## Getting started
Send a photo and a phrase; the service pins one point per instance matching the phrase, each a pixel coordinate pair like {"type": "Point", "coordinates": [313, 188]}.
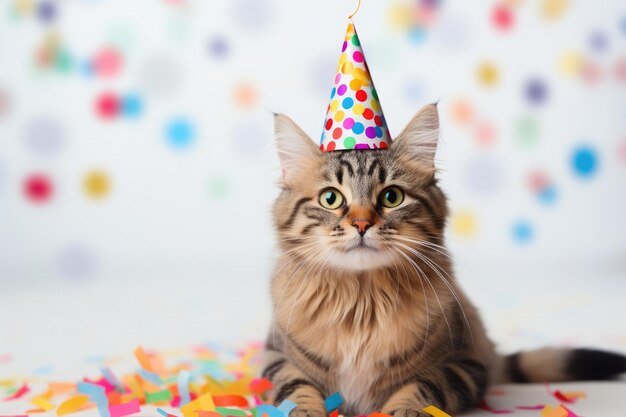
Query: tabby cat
{"type": "Point", "coordinates": [365, 302]}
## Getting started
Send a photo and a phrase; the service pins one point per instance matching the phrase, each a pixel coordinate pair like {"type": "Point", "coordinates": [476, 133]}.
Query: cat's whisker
{"type": "Point", "coordinates": [436, 268]}
{"type": "Point", "coordinates": [312, 267]}
{"type": "Point", "coordinates": [282, 295]}
{"type": "Point", "coordinates": [437, 248]}
{"type": "Point", "coordinates": [425, 301]}
{"type": "Point", "coordinates": [417, 268]}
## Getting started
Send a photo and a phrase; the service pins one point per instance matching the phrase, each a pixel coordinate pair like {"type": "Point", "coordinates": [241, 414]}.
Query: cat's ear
{"type": "Point", "coordinates": [295, 148]}
{"type": "Point", "coordinates": [418, 141]}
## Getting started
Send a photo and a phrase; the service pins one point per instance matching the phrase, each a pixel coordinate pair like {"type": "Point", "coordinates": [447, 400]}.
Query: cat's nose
{"type": "Point", "coordinates": [361, 225]}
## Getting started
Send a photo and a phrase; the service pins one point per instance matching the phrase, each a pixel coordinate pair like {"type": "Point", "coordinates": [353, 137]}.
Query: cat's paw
{"type": "Point", "coordinates": [409, 412]}
{"type": "Point", "coordinates": [307, 412]}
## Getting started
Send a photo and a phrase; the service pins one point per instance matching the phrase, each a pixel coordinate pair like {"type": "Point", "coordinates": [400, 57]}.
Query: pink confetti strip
{"type": "Point", "coordinates": [559, 395]}
{"type": "Point", "coordinates": [23, 390]}
{"type": "Point", "coordinates": [121, 410]}
{"type": "Point", "coordinates": [530, 407]}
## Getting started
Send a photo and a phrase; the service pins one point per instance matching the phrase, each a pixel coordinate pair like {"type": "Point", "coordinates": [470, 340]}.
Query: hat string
{"type": "Point", "coordinates": [356, 11]}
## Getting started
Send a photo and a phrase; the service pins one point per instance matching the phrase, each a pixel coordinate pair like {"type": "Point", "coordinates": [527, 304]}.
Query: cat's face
{"type": "Point", "coordinates": [359, 209]}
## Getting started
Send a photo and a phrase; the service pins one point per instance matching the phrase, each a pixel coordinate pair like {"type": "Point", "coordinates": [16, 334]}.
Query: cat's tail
{"type": "Point", "coordinates": [561, 364]}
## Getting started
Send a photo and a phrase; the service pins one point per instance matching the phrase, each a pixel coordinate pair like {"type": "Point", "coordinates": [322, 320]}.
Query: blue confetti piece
{"type": "Point", "coordinates": [162, 412]}
{"type": "Point", "coordinates": [270, 410]}
{"type": "Point", "coordinates": [96, 394]}
{"type": "Point", "coordinates": [333, 402]}
{"type": "Point", "coordinates": [183, 386]}
{"type": "Point", "coordinates": [150, 376]}
{"type": "Point", "coordinates": [286, 407]}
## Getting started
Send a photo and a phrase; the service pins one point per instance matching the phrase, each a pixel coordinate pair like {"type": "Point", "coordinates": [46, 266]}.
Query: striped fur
{"type": "Point", "coordinates": [377, 317]}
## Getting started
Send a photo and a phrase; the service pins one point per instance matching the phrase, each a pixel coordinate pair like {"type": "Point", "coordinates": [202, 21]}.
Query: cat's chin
{"type": "Point", "coordinates": [359, 259]}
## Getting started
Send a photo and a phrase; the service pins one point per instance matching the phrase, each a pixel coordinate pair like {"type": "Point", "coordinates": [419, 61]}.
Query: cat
{"type": "Point", "coordinates": [363, 293]}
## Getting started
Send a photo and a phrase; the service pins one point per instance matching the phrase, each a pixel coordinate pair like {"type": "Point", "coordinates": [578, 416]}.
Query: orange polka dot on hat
{"type": "Point", "coordinates": [354, 119]}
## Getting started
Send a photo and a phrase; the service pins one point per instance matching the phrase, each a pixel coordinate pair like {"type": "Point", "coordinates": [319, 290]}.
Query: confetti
{"type": "Point", "coordinates": [183, 386]}
{"type": "Point", "coordinates": [333, 402]}
{"type": "Point", "coordinates": [72, 404]}
{"type": "Point", "coordinates": [435, 412]}
{"type": "Point", "coordinates": [202, 403]}
{"type": "Point", "coordinates": [121, 410]}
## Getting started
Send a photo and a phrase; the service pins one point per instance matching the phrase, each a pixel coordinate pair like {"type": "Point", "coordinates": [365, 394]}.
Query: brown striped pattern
{"type": "Point", "coordinates": [387, 326]}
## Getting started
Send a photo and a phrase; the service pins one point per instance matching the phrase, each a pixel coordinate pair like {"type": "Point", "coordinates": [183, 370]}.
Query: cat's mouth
{"type": "Point", "coordinates": [361, 244]}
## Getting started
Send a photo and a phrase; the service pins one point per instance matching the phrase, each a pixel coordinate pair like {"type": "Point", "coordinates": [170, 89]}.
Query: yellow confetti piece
{"type": "Point", "coordinates": [202, 403]}
{"type": "Point", "coordinates": [435, 412]}
{"type": "Point", "coordinates": [42, 403]}
{"type": "Point", "coordinates": [549, 411]}
{"type": "Point", "coordinates": [72, 405]}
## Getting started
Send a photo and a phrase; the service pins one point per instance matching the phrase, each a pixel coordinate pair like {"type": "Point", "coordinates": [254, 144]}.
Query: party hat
{"type": "Point", "coordinates": [354, 119]}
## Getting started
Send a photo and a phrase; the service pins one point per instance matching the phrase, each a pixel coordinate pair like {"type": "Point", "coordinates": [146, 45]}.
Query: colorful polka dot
{"type": "Point", "coordinates": [107, 105]}
{"type": "Point", "coordinates": [523, 232]}
{"type": "Point", "coordinates": [361, 95]}
{"type": "Point", "coordinates": [502, 17]}
{"type": "Point", "coordinates": [96, 184]}
{"type": "Point", "coordinates": [356, 85]}
{"type": "Point", "coordinates": [536, 91]}
{"type": "Point", "coordinates": [358, 128]}
{"type": "Point", "coordinates": [354, 117]}
{"type": "Point", "coordinates": [584, 162]}
{"type": "Point", "coordinates": [180, 133]}
{"type": "Point", "coordinates": [38, 188]}
{"type": "Point", "coordinates": [132, 106]}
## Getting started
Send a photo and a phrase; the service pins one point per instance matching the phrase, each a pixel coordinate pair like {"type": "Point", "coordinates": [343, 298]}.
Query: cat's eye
{"type": "Point", "coordinates": [391, 197]}
{"type": "Point", "coordinates": [331, 198]}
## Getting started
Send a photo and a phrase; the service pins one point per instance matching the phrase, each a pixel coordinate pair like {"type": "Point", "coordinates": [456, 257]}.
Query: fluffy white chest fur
{"type": "Point", "coordinates": [357, 373]}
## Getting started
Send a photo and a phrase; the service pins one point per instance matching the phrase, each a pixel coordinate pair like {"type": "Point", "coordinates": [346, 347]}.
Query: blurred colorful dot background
{"type": "Point", "coordinates": [137, 170]}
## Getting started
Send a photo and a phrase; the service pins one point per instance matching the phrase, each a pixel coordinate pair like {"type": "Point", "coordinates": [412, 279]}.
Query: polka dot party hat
{"type": "Point", "coordinates": [354, 119]}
